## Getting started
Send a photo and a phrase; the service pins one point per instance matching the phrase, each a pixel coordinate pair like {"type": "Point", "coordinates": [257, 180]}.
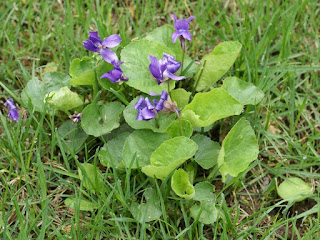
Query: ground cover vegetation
{"type": "Point", "coordinates": [159, 120]}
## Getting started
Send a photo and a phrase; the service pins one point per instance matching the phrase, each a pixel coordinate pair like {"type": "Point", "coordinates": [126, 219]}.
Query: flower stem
{"type": "Point", "coordinates": [197, 82]}
{"type": "Point", "coordinates": [169, 88]}
{"type": "Point", "coordinates": [183, 46]}
{"type": "Point", "coordinates": [181, 129]}
{"type": "Point", "coordinates": [156, 118]}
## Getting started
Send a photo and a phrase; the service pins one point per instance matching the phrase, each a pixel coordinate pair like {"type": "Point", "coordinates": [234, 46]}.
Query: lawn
{"type": "Point", "coordinates": [44, 182]}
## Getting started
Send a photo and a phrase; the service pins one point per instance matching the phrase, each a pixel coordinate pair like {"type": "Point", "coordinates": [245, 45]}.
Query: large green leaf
{"type": "Point", "coordinates": [86, 71]}
{"type": "Point", "coordinates": [239, 149]}
{"type": "Point", "coordinates": [130, 115]}
{"type": "Point", "coordinates": [73, 135]}
{"type": "Point", "coordinates": [64, 99]}
{"type": "Point", "coordinates": [139, 146]}
{"type": "Point", "coordinates": [149, 211]}
{"type": "Point", "coordinates": [35, 91]}
{"type": "Point", "coordinates": [294, 189]}
{"type": "Point", "coordinates": [217, 64]}
{"type": "Point", "coordinates": [208, 151]}
{"type": "Point", "coordinates": [204, 192]}
{"type": "Point", "coordinates": [206, 212]}
{"type": "Point", "coordinates": [99, 120]}
{"type": "Point", "coordinates": [180, 96]}
{"type": "Point", "coordinates": [163, 35]}
{"type": "Point", "coordinates": [111, 153]}
{"type": "Point", "coordinates": [170, 155]}
{"type": "Point", "coordinates": [244, 92]}
{"type": "Point", "coordinates": [206, 108]}
{"type": "Point", "coordinates": [56, 80]}
{"type": "Point", "coordinates": [136, 65]}
{"type": "Point", "coordinates": [180, 184]}
{"type": "Point", "coordinates": [84, 205]}
{"type": "Point", "coordinates": [92, 178]}
{"type": "Point", "coordinates": [174, 130]}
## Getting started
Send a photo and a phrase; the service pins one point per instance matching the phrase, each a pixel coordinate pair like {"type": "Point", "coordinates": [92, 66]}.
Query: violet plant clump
{"type": "Point", "coordinates": [173, 115]}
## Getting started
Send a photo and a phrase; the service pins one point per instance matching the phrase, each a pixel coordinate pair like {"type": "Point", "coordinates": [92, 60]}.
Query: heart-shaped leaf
{"type": "Point", "coordinates": [203, 191]}
{"type": "Point", "coordinates": [239, 149]}
{"type": "Point", "coordinates": [84, 205]}
{"type": "Point", "coordinates": [244, 92]}
{"type": "Point", "coordinates": [139, 146]}
{"type": "Point", "coordinates": [64, 99]}
{"type": "Point", "coordinates": [91, 178]}
{"type": "Point", "coordinates": [170, 155]}
{"type": "Point", "coordinates": [294, 189]}
{"type": "Point", "coordinates": [217, 63]}
{"type": "Point", "coordinates": [180, 184]}
{"type": "Point", "coordinates": [206, 108]}
{"type": "Point", "coordinates": [205, 213]}
{"type": "Point", "coordinates": [174, 130]}
{"type": "Point", "coordinates": [99, 120]}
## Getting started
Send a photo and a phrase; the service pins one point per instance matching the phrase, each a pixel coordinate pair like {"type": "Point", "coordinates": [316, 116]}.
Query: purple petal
{"type": "Point", "coordinates": [94, 38]}
{"type": "Point", "coordinates": [149, 104]}
{"type": "Point", "coordinates": [187, 35]}
{"type": "Point", "coordinates": [10, 103]}
{"type": "Point", "coordinates": [181, 24]}
{"type": "Point", "coordinates": [173, 65]}
{"type": "Point", "coordinates": [191, 18]}
{"type": "Point", "coordinates": [90, 46]}
{"type": "Point", "coordinates": [153, 94]}
{"type": "Point", "coordinates": [154, 67]}
{"type": "Point", "coordinates": [139, 102]}
{"type": "Point", "coordinates": [13, 114]}
{"type": "Point", "coordinates": [174, 17]}
{"type": "Point", "coordinates": [175, 36]}
{"type": "Point", "coordinates": [173, 77]}
{"type": "Point", "coordinates": [112, 41]}
{"type": "Point", "coordinates": [147, 114]}
{"type": "Point", "coordinates": [139, 116]}
{"type": "Point", "coordinates": [108, 55]}
{"type": "Point", "coordinates": [164, 95]}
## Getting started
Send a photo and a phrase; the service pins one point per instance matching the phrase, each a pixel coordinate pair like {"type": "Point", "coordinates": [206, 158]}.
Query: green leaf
{"type": "Point", "coordinates": [136, 65]}
{"type": "Point", "coordinates": [130, 115]}
{"type": "Point", "coordinates": [244, 92]}
{"type": "Point", "coordinates": [239, 149]}
{"type": "Point", "coordinates": [99, 120]}
{"type": "Point", "coordinates": [206, 212]}
{"type": "Point", "coordinates": [294, 189]}
{"type": "Point", "coordinates": [92, 178]}
{"type": "Point", "coordinates": [73, 135]}
{"type": "Point", "coordinates": [175, 131]}
{"type": "Point", "coordinates": [180, 184]}
{"type": "Point", "coordinates": [139, 146]}
{"type": "Point", "coordinates": [149, 211]}
{"type": "Point", "coordinates": [64, 99]}
{"type": "Point", "coordinates": [84, 205]}
{"type": "Point", "coordinates": [163, 35]}
{"type": "Point", "coordinates": [110, 154]}
{"type": "Point", "coordinates": [208, 151]}
{"type": "Point", "coordinates": [170, 155]}
{"type": "Point", "coordinates": [217, 64]}
{"type": "Point", "coordinates": [206, 108]}
{"type": "Point", "coordinates": [180, 96]}
{"type": "Point", "coordinates": [56, 80]}
{"type": "Point", "coordinates": [204, 191]}
{"type": "Point", "coordinates": [35, 92]}
{"type": "Point", "coordinates": [85, 71]}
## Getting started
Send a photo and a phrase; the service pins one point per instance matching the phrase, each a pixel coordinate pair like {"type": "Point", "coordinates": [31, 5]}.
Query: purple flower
{"type": "Point", "coordinates": [116, 74]}
{"type": "Point", "coordinates": [159, 104]}
{"type": "Point", "coordinates": [95, 44]}
{"type": "Point", "coordinates": [164, 69]}
{"type": "Point", "coordinates": [75, 117]}
{"type": "Point", "coordinates": [13, 112]}
{"type": "Point", "coordinates": [145, 109]}
{"type": "Point", "coordinates": [182, 28]}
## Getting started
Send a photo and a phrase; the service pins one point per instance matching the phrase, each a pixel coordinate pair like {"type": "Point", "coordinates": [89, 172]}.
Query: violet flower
{"type": "Point", "coordinates": [164, 68]}
{"type": "Point", "coordinates": [75, 117]}
{"type": "Point", "coordinates": [13, 113]}
{"type": "Point", "coordinates": [95, 44]}
{"type": "Point", "coordinates": [145, 109]}
{"type": "Point", "coordinates": [165, 104]}
{"type": "Point", "coordinates": [116, 74]}
{"type": "Point", "coordinates": [182, 28]}
{"type": "Point", "coordinates": [159, 104]}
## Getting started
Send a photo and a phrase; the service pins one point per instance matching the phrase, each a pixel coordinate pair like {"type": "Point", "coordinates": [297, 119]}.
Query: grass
{"type": "Point", "coordinates": [38, 171]}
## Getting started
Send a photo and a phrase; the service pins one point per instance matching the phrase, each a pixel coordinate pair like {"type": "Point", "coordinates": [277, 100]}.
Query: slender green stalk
{"type": "Point", "coordinates": [181, 129]}
{"type": "Point", "coordinates": [197, 82]}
